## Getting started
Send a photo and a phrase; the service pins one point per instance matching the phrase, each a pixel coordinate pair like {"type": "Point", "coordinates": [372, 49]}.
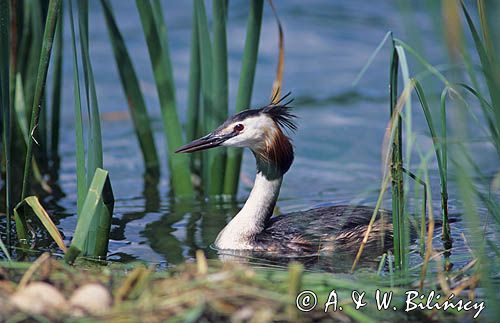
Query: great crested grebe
{"type": "Point", "coordinates": [254, 228]}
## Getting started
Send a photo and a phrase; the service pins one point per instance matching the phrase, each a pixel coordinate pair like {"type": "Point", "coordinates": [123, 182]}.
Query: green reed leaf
{"type": "Point", "coordinates": [155, 33]}
{"type": "Point", "coordinates": [44, 217]}
{"type": "Point", "coordinates": [94, 148]}
{"type": "Point", "coordinates": [220, 92]}
{"type": "Point", "coordinates": [489, 67]}
{"type": "Point", "coordinates": [55, 123]}
{"type": "Point", "coordinates": [398, 215]}
{"type": "Point", "coordinates": [94, 151]}
{"type": "Point", "coordinates": [80, 145]}
{"type": "Point", "coordinates": [52, 14]}
{"type": "Point", "coordinates": [208, 115]}
{"type": "Point", "coordinates": [6, 108]}
{"type": "Point", "coordinates": [194, 87]}
{"type": "Point", "coordinates": [135, 99]}
{"type": "Point", "coordinates": [245, 89]}
{"type": "Point", "coordinates": [99, 194]}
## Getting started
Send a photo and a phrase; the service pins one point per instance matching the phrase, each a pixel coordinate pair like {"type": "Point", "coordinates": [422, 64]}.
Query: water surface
{"type": "Point", "coordinates": [338, 144]}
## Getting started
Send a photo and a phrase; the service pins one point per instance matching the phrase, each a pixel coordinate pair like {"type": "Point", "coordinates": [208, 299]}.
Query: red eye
{"type": "Point", "coordinates": [239, 127]}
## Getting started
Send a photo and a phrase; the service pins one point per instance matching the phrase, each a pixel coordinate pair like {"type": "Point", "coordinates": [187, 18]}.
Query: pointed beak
{"type": "Point", "coordinates": [209, 141]}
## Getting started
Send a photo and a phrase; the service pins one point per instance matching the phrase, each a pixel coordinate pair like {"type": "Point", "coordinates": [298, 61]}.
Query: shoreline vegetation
{"type": "Point", "coordinates": [209, 291]}
{"type": "Point", "coordinates": [453, 98]}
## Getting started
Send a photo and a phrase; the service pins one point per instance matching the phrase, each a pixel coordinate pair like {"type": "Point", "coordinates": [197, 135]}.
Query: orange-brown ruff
{"type": "Point", "coordinates": [314, 231]}
{"type": "Point", "coordinates": [277, 150]}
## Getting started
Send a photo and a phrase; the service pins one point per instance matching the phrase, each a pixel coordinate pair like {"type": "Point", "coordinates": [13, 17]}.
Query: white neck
{"type": "Point", "coordinates": [240, 232]}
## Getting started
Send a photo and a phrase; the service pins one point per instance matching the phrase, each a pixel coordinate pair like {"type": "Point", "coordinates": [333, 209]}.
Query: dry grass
{"type": "Point", "coordinates": [190, 292]}
{"type": "Point", "coordinates": [204, 290]}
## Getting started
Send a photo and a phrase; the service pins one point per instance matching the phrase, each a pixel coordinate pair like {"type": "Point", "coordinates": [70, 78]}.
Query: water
{"type": "Point", "coordinates": [341, 128]}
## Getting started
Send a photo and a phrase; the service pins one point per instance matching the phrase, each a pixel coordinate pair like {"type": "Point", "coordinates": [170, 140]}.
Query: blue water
{"type": "Point", "coordinates": [341, 127]}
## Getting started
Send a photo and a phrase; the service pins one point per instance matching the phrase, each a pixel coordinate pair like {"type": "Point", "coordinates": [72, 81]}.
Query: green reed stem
{"type": "Point", "coordinates": [407, 111]}
{"type": "Point", "coordinates": [83, 29]}
{"type": "Point", "coordinates": [14, 50]}
{"type": "Point", "coordinates": [443, 172]}
{"type": "Point", "coordinates": [48, 37]}
{"type": "Point", "coordinates": [41, 149]}
{"type": "Point", "coordinates": [440, 144]}
{"type": "Point", "coordinates": [206, 62]}
{"type": "Point", "coordinates": [81, 182]}
{"type": "Point", "coordinates": [96, 235]}
{"type": "Point", "coordinates": [56, 93]}
{"type": "Point", "coordinates": [400, 258]}
{"type": "Point", "coordinates": [99, 194]}
{"type": "Point", "coordinates": [220, 93]}
{"type": "Point", "coordinates": [135, 99]}
{"type": "Point", "coordinates": [193, 104]}
{"type": "Point", "coordinates": [194, 128]}
{"type": "Point", "coordinates": [489, 68]}
{"type": "Point", "coordinates": [245, 88]}
{"type": "Point", "coordinates": [381, 264]}
{"type": "Point", "coordinates": [156, 37]}
{"type": "Point", "coordinates": [419, 181]}
{"type": "Point", "coordinates": [6, 108]}
{"type": "Point", "coordinates": [33, 49]}
{"type": "Point", "coordinates": [94, 151]}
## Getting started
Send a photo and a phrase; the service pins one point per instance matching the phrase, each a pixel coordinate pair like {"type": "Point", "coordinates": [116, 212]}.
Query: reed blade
{"type": "Point", "coordinates": [22, 126]}
{"type": "Point", "coordinates": [194, 117]}
{"type": "Point", "coordinates": [488, 63]}
{"type": "Point", "coordinates": [220, 92]}
{"type": "Point", "coordinates": [94, 151]}
{"type": "Point", "coordinates": [194, 87]}
{"type": "Point", "coordinates": [441, 155]}
{"type": "Point", "coordinates": [43, 216]}
{"type": "Point", "coordinates": [20, 131]}
{"type": "Point", "coordinates": [21, 228]}
{"type": "Point", "coordinates": [400, 258]}
{"type": "Point", "coordinates": [80, 145]}
{"type": "Point", "coordinates": [205, 46]}
{"type": "Point", "coordinates": [99, 194]}
{"type": "Point", "coordinates": [41, 148]}
{"type": "Point", "coordinates": [48, 37]}
{"type": "Point", "coordinates": [245, 89]}
{"type": "Point", "coordinates": [6, 109]}
{"type": "Point", "coordinates": [22, 51]}
{"type": "Point", "coordinates": [107, 203]}
{"type": "Point", "coordinates": [154, 29]}
{"type": "Point", "coordinates": [34, 45]}
{"type": "Point", "coordinates": [443, 173]}
{"type": "Point", "coordinates": [407, 111]}
{"type": "Point", "coordinates": [135, 99]}
{"type": "Point", "coordinates": [83, 29]}
{"type": "Point", "coordinates": [370, 60]}
{"type": "Point", "coordinates": [94, 148]}
{"type": "Point", "coordinates": [55, 123]}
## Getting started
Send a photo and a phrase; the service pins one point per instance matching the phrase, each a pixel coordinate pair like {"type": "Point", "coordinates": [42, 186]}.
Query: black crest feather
{"type": "Point", "coordinates": [279, 111]}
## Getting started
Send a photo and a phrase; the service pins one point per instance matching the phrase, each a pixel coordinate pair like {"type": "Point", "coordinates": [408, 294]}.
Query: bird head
{"type": "Point", "coordinates": [261, 130]}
